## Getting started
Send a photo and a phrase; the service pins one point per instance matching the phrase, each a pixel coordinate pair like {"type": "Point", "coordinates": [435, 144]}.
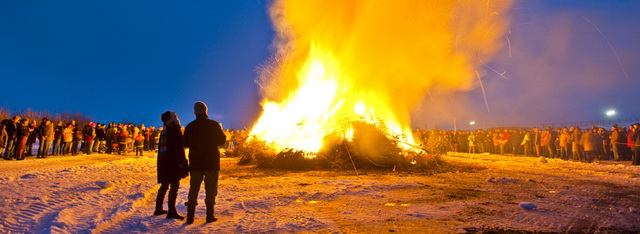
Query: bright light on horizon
{"type": "Point", "coordinates": [472, 123]}
{"type": "Point", "coordinates": [610, 113]}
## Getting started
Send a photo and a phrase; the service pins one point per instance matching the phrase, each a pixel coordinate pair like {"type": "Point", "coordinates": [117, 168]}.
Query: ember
{"type": "Point", "coordinates": [349, 65]}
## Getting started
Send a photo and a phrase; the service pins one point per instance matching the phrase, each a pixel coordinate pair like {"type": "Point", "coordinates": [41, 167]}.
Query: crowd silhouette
{"type": "Point", "coordinates": [566, 143]}
{"type": "Point", "coordinates": [19, 135]}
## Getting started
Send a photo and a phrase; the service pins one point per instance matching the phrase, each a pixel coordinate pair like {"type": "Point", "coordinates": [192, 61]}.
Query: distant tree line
{"type": "Point", "coordinates": [65, 116]}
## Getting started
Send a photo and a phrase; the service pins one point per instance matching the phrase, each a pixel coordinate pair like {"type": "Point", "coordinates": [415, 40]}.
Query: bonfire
{"type": "Point", "coordinates": [348, 74]}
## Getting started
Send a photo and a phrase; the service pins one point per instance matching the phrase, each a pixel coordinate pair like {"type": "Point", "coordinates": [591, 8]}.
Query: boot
{"type": "Point", "coordinates": [191, 210]}
{"type": "Point", "coordinates": [210, 217]}
{"type": "Point", "coordinates": [159, 200]}
{"type": "Point", "coordinates": [173, 214]}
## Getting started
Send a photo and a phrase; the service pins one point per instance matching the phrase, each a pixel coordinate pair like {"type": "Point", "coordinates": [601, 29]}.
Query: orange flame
{"type": "Point", "coordinates": [368, 60]}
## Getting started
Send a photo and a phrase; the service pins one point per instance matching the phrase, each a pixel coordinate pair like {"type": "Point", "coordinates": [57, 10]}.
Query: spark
{"type": "Point", "coordinates": [429, 92]}
{"type": "Point", "coordinates": [483, 93]}
{"type": "Point", "coordinates": [494, 70]}
{"type": "Point", "coordinates": [610, 46]}
{"type": "Point", "coordinates": [509, 43]}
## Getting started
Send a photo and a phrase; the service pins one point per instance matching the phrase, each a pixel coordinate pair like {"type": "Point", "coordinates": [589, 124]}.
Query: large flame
{"type": "Point", "coordinates": [370, 60]}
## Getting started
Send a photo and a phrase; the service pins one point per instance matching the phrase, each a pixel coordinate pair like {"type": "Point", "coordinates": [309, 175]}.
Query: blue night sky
{"type": "Point", "coordinates": [132, 60]}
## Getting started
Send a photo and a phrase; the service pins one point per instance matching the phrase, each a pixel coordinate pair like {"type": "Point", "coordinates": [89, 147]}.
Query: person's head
{"type": "Point", "coordinates": [199, 108]}
{"type": "Point", "coordinates": [170, 118]}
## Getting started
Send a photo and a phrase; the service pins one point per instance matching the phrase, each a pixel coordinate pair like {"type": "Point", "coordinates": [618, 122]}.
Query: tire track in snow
{"type": "Point", "coordinates": [44, 213]}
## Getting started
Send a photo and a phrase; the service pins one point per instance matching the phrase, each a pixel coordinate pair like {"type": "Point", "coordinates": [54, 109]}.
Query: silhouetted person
{"type": "Point", "coordinates": [202, 137]}
{"type": "Point", "coordinates": [172, 164]}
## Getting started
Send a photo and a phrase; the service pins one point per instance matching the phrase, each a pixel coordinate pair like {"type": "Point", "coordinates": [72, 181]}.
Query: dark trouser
{"type": "Point", "coordinates": [589, 155]}
{"type": "Point", "coordinates": [74, 147]}
{"type": "Point", "coordinates": [210, 187]}
{"type": "Point", "coordinates": [551, 150]}
{"type": "Point", "coordinates": [56, 147]}
{"type": "Point", "coordinates": [564, 152]}
{"type": "Point", "coordinates": [173, 193]}
{"type": "Point", "coordinates": [96, 145]}
{"type": "Point", "coordinates": [122, 148]}
{"type": "Point", "coordinates": [138, 151]}
{"type": "Point", "coordinates": [65, 147]}
{"type": "Point", "coordinates": [29, 148]}
{"type": "Point", "coordinates": [21, 145]}
{"type": "Point", "coordinates": [88, 147]}
{"type": "Point", "coordinates": [8, 153]}
{"type": "Point", "coordinates": [43, 150]}
{"type": "Point", "coordinates": [614, 149]}
{"type": "Point", "coordinates": [109, 146]}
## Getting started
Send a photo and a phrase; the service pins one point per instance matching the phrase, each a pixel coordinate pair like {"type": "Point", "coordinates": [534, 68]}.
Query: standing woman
{"type": "Point", "coordinates": [172, 164]}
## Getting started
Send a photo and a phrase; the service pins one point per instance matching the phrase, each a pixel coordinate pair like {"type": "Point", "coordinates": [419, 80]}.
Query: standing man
{"type": "Point", "coordinates": [46, 137]}
{"type": "Point", "coordinates": [537, 140]}
{"type": "Point", "coordinates": [203, 136]}
{"type": "Point", "coordinates": [22, 134]}
{"type": "Point", "coordinates": [615, 141]}
{"type": "Point", "coordinates": [12, 129]}
{"type": "Point", "coordinates": [635, 144]}
{"type": "Point", "coordinates": [57, 138]}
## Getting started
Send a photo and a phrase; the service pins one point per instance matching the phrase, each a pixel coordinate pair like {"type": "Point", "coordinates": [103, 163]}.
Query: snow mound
{"type": "Point", "coordinates": [503, 180]}
{"type": "Point", "coordinates": [104, 184]}
{"type": "Point", "coordinates": [543, 160]}
{"type": "Point", "coordinates": [29, 176]}
{"type": "Point", "coordinates": [527, 205]}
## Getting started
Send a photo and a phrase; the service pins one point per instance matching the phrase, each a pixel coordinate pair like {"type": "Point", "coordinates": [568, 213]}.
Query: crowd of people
{"type": "Point", "coordinates": [18, 136]}
{"type": "Point", "coordinates": [567, 143]}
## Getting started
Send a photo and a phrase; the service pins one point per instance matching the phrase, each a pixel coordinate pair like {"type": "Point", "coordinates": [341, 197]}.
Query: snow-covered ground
{"type": "Point", "coordinates": [115, 194]}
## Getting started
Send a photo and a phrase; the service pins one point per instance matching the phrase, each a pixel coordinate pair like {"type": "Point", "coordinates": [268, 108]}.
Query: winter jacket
{"type": "Point", "coordinates": [588, 141]}
{"type": "Point", "coordinates": [89, 133]}
{"type": "Point", "coordinates": [172, 163]}
{"type": "Point", "coordinates": [11, 128]}
{"type": "Point", "coordinates": [565, 138]}
{"type": "Point", "coordinates": [636, 140]}
{"type": "Point", "coordinates": [57, 132]}
{"type": "Point", "coordinates": [3, 137]}
{"type": "Point", "coordinates": [67, 135]}
{"type": "Point", "coordinates": [46, 131]}
{"type": "Point", "coordinates": [203, 136]}
{"type": "Point", "coordinates": [22, 132]}
{"type": "Point", "coordinates": [139, 141]}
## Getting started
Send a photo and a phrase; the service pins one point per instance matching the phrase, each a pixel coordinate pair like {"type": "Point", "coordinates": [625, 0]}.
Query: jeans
{"type": "Point", "coordinates": [8, 153]}
{"type": "Point", "coordinates": [210, 186]}
{"type": "Point", "coordinates": [43, 150]}
{"type": "Point", "coordinates": [56, 147]}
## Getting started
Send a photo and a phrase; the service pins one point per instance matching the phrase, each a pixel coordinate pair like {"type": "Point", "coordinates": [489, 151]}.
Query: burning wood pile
{"type": "Point", "coordinates": [367, 147]}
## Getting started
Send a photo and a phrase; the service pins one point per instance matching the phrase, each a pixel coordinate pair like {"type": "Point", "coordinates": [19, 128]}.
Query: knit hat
{"type": "Point", "coordinates": [170, 118]}
{"type": "Point", "coordinates": [200, 108]}
{"type": "Point", "coordinates": [166, 116]}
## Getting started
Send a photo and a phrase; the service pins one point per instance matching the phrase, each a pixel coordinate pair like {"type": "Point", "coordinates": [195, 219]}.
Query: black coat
{"type": "Point", "coordinates": [172, 163]}
{"type": "Point", "coordinates": [202, 137]}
